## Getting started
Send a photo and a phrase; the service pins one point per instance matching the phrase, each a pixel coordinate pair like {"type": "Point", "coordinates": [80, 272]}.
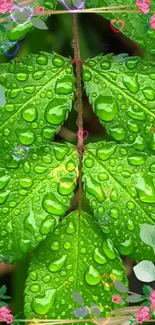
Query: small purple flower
{"type": "Point", "coordinates": [80, 312]}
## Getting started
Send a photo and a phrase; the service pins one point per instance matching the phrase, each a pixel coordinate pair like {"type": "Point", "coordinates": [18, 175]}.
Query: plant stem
{"type": "Point", "coordinates": [77, 61]}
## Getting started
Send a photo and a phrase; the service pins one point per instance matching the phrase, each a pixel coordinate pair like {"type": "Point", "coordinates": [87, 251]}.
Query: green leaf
{"type": "Point", "coordinates": [120, 286]}
{"type": "Point", "coordinates": [147, 235]}
{"type": "Point", "coordinates": [78, 264]}
{"type": "Point", "coordinates": [77, 298]}
{"type": "Point", "coordinates": [132, 21]}
{"type": "Point", "coordinates": [147, 290]}
{"type": "Point", "coordinates": [145, 271]}
{"type": "Point", "coordinates": [35, 191]}
{"type": "Point", "coordinates": [123, 99]}
{"type": "Point", "coordinates": [38, 23]}
{"type": "Point", "coordinates": [128, 175]}
{"type": "Point", "coordinates": [39, 102]}
{"type": "Point", "coordinates": [3, 290]}
{"type": "Point", "coordinates": [135, 298]}
{"type": "Point", "coordinates": [2, 303]}
{"type": "Point", "coordinates": [19, 32]}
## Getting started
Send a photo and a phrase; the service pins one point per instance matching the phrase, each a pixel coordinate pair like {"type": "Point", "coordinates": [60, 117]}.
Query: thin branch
{"type": "Point", "coordinates": [77, 61]}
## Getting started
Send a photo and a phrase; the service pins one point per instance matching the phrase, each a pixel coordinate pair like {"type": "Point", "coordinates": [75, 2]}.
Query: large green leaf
{"type": "Point", "coordinates": [123, 97]}
{"type": "Point", "coordinates": [72, 259]}
{"type": "Point", "coordinates": [19, 32]}
{"type": "Point", "coordinates": [39, 93]}
{"type": "Point", "coordinates": [133, 21]}
{"type": "Point", "coordinates": [34, 193]}
{"type": "Point", "coordinates": [129, 176]}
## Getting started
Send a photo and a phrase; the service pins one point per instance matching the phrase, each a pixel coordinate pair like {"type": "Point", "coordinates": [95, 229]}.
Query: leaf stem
{"type": "Point", "coordinates": [77, 62]}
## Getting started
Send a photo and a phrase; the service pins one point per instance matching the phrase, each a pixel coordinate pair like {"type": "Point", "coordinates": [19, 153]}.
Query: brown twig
{"type": "Point", "coordinates": [79, 102]}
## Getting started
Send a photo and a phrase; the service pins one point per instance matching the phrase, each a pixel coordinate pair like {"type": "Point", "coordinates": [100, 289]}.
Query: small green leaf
{"type": "Point", "coordinates": [134, 298]}
{"type": "Point", "coordinates": [38, 23]}
{"type": "Point", "coordinates": [120, 286]}
{"type": "Point", "coordinates": [147, 290]}
{"type": "Point", "coordinates": [2, 303]}
{"type": "Point", "coordinates": [145, 271]}
{"type": "Point", "coordinates": [147, 235]}
{"type": "Point", "coordinates": [77, 298]}
{"type": "Point", "coordinates": [3, 290]}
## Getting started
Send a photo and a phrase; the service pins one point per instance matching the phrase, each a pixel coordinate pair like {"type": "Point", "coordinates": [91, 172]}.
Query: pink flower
{"type": "Point", "coordinates": [5, 6]}
{"type": "Point", "coordinates": [143, 315]}
{"type": "Point", "coordinates": [152, 299]}
{"type": "Point", "coordinates": [144, 6]}
{"type": "Point", "coordinates": [5, 314]}
{"type": "Point", "coordinates": [152, 21]}
{"type": "Point", "coordinates": [116, 299]}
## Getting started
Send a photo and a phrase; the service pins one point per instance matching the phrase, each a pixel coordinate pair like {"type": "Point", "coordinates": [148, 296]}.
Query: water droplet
{"type": "Point", "coordinates": [98, 257]}
{"type": "Point", "coordinates": [37, 75]}
{"type": "Point", "coordinates": [25, 245]}
{"type": "Point", "coordinates": [26, 137]}
{"type": "Point", "coordinates": [52, 205]}
{"type": "Point", "coordinates": [89, 162]}
{"type": "Point", "coordinates": [92, 277]}
{"type": "Point", "coordinates": [42, 59]}
{"type": "Point", "coordinates": [56, 265]}
{"type": "Point", "coordinates": [64, 86]}
{"type": "Point", "coordinates": [148, 93]}
{"type": "Point", "coordinates": [130, 225]}
{"type": "Point", "coordinates": [4, 196]}
{"type": "Point", "coordinates": [29, 113]}
{"type": "Point", "coordinates": [117, 132]}
{"type": "Point", "coordinates": [25, 182]}
{"type": "Point", "coordinates": [46, 278]}
{"type": "Point", "coordinates": [43, 303]}
{"type": "Point", "coordinates": [70, 228]}
{"type": "Point", "coordinates": [105, 152]}
{"type": "Point", "coordinates": [56, 111]}
{"type": "Point", "coordinates": [109, 249]}
{"type": "Point", "coordinates": [130, 82]}
{"type": "Point", "coordinates": [114, 213]}
{"type": "Point", "coordinates": [47, 225]}
{"type": "Point", "coordinates": [136, 114]}
{"type": "Point", "coordinates": [106, 107]}
{"type": "Point", "coordinates": [21, 76]}
{"type": "Point", "coordinates": [29, 223]}
{"type": "Point", "coordinates": [4, 179]}
{"type": "Point", "coordinates": [137, 160]}
{"type": "Point", "coordinates": [55, 245]}
{"type": "Point", "coordinates": [145, 189]}
{"type": "Point", "coordinates": [33, 275]}
{"type": "Point", "coordinates": [94, 188]}
{"type": "Point", "coordinates": [58, 61]}
{"type": "Point", "coordinates": [67, 245]}
{"type": "Point", "coordinates": [35, 287]}
{"type": "Point", "coordinates": [125, 248]}
{"type": "Point", "coordinates": [152, 168]}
